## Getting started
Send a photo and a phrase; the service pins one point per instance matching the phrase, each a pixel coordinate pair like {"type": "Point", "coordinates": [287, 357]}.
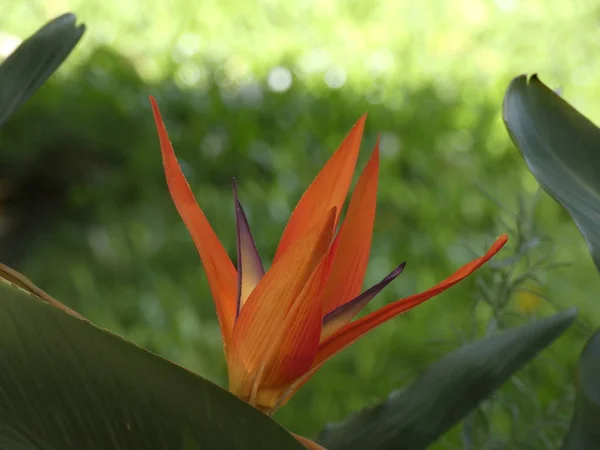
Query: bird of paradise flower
{"type": "Point", "coordinates": [281, 325]}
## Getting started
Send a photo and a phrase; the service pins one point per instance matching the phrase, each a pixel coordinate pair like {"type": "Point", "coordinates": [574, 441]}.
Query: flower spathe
{"type": "Point", "coordinates": [279, 326]}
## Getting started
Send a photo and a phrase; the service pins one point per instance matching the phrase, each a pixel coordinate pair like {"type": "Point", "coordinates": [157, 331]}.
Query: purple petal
{"type": "Point", "coordinates": [249, 266]}
{"type": "Point", "coordinates": [345, 313]}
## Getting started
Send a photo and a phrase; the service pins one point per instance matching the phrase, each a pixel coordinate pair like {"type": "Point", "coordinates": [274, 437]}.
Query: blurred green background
{"type": "Point", "coordinates": [265, 91]}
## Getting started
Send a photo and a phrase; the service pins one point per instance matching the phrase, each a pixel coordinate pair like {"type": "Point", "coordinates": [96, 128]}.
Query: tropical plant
{"type": "Point", "coordinates": [66, 383]}
{"type": "Point", "coordinates": [562, 149]}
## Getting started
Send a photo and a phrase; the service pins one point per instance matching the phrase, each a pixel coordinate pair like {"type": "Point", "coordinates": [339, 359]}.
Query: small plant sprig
{"type": "Point", "coordinates": [514, 288]}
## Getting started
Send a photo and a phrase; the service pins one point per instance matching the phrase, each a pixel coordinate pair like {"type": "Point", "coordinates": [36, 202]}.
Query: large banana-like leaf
{"type": "Point", "coordinates": [561, 148]}
{"type": "Point", "coordinates": [446, 392]}
{"type": "Point", "coordinates": [66, 384]}
{"type": "Point", "coordinates": [30, 65]}
{"type": "Point", "coordinates": [584, 433]}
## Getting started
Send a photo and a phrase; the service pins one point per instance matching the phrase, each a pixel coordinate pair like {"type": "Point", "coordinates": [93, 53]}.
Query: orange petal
{"type": "Point", "coordinates": [249, 265]}
{"type": "Point", "coordinates": [221, 274]}
{"type": "Point", "coordinates": [328, 190]}
{"type": "Point", "coordinates": [260, 326]}
{"type": "Point", "coordinates": [354, 240]}
{"type": "Point", "coordinates": [354, 330]}
{"type": "Point", "coordinates": [310, 445]}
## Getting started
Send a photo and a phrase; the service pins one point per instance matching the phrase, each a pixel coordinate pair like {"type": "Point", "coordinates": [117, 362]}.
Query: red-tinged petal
{"type": "Point", "coordinates": [293, 353]}
{"type": "Point", "coordinates": [349, 334]}
{"type": "Point", "coordinates": [261, 322]}
{"type": "Point", "coordinates": [328, 190]}
{"type": "Point", "coordinates": [354, 240]}
{"type": "Point", "coordinates": [221, 273]}
{"type": "Point", "coordinates": [334, 246]}
{"type": "Point", "coordinates": [296, 350]}
{"type": "Point", "coordinates": [354, 330]}
{"type": "Point", "coordinates": [343, 314]}
{"type": "Point", "coordinates": [249, 266]}
{"type": "Point", "coordinates": [336, 320]}
{"type": "Point", "coordinates": [310, 445]}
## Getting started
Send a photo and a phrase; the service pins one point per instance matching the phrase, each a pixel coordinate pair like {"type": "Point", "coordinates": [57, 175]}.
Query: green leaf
{"type": "Point", "coordinates": [561, 148]}
{"type": "Point", "coordinates": [584, 432]}
{"type": "Point", "coordinates": [32, 63]}
{"type": "Point", "coordinates": [67, 384]}
{"type": "Point", "coordinates": [446, 392]}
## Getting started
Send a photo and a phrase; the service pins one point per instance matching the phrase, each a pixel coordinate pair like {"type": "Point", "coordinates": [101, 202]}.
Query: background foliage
{"type": "Point", "coordinates": [265, 91]}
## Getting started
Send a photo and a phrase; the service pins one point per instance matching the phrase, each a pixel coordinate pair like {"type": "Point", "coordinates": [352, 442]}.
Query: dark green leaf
{"type": "Point", "coordinates": [32, 63]}
{"type": "Point", "coordinates": [561, 148]}
{"type": "Point", "coordinates": [67, 384]}
{"type": "Point", "coordinates": [584, 433]}
{"type": "Point", "coordinates": [446, 392]}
